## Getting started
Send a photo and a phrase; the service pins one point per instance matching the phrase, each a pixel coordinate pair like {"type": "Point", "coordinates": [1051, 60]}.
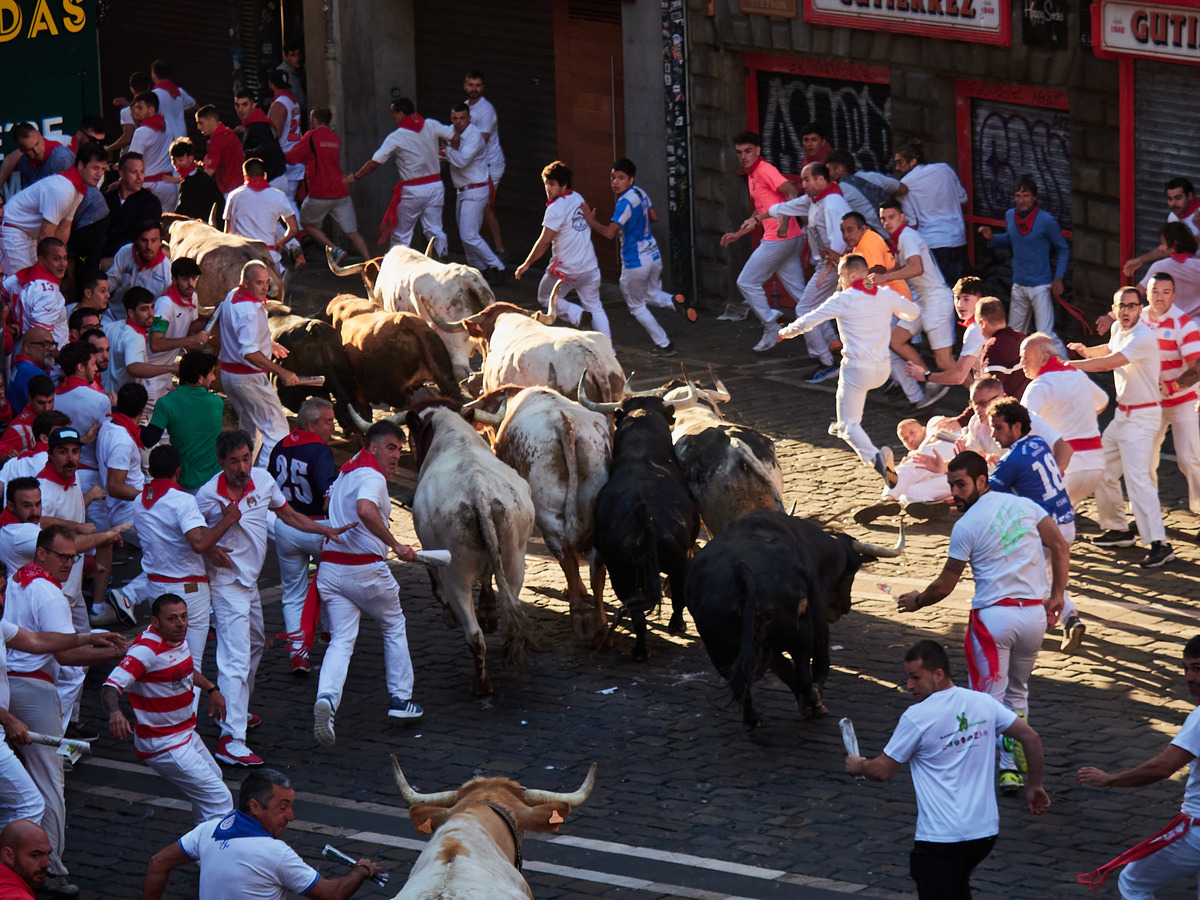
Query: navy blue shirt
{"type": "Point", "coordinates": [18, 385]}
{"type": "Point", "coordinates": [303, 468]}
{"type": "Point", "coordinates": [1028, 470]}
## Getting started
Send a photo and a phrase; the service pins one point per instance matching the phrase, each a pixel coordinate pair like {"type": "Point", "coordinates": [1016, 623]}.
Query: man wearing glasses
{"type": "Point", "coordinates": [1130, 439]}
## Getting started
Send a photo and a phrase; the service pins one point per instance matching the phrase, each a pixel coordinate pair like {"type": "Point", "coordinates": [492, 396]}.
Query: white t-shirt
{"type": "Point", "coordinates": [243, 329]}
{"type": "Point", "coordinates": [1189, 739]}
{"type": "Point", "coordinates": [51, 199]}
{"type": "Point", "coordinates": [115, 449]}
{"type": "Point", "coordinates": [155, 147]}
{"type": "Point", "coordinates": [239, 860]}
{"type": "Point", "coordinates": [126, 272]}
{"type": "Point", "coordinates": [86, 407]}
{"type": "Point", "coordinates": [18, 542]}
{"type": "Point", "coordinates": [38, 606]}
{"type": "Point", "coordinates": [347, 489]}
{"type": "Point", "coordinates": [65, 502]}
{"type": "Point", "coordinates": [572, 245]}
{"type": "Point", "coordinates": [1186, 274]}
{"type": "Point", "coordinates": [128, 346]}
{"type": "Point", "coordinates": [40, 303]}
{"type": "Point", "coordinates": [1069, 400]}
{"type": "Point", "coordinates": [483, 117]}
{"type": "Point", "coordinates": [172, 110]}
{"type": "Point", "coordinates": [179, 321]}
{"type": "Point", "coordinates": [163, 529]}
{"type": "Point", "coordinates": [972, 344]}
{"type": "Point", "coordinates": [23, 467]}
{"type": "Point", "coordinates": [864, 320]}
{"type": "Point", "coordinates": [1192, 226]}
{"type": "Point", "coordinates": [935, 195]}
{"type": "Point", "coordinates": [246, 540]}
{"type": "Point", "coordinates": [1137, 381]}
{"type": "Point", "coordinates": [468, 161]}
{"type": "Point", "coordinates": [254, 214]}
{"type": "Point", "coordinates": [929, 286]}
{"type": "Point", "coordinates": [415, 152]}
{"type": "Point", "coordinates": [8, 631]}
{"type": "Point", "coordinates": [949, 742]}
{"type": "Point", "coordinates": [998, 536]}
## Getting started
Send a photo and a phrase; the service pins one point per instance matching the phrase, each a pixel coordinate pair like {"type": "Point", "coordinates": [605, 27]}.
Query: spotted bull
{"type": "Point", "coordinates": [478, 831]}
{"type": "Point", "coordinates": [763, 595]}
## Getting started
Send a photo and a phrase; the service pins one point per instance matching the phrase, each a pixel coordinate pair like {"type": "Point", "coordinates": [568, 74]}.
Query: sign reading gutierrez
{"type": "Point", "coordinates": [983, 21]}
{"type": "Point", "coordinates": [1162, 32]}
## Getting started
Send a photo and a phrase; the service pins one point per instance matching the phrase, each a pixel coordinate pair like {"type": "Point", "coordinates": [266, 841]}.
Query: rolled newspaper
{"type": "Point", "coordinates": [436, 558]}
{"type": "Point", "coordinates": [849, 738]}
{"type": "Point", "coordinates": [310, 381]}
{"type": "Point", "coordinates": [381, 879]}
{"type": "Point", "coordinates": [71, 749]}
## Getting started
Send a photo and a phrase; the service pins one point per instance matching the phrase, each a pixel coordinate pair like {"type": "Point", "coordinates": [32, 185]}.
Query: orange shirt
{"type": "Point", "coordinates": [874, 250]}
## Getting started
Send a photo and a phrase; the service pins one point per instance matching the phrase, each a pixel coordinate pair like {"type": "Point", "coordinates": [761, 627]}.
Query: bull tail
{"type": "Point", "coordinates": [571, 495]}
{"type": "Point", "coordinates": [744, 668]}
{"type": "Point", "coordinates": [650, 586]}
{"type": "Point", "coordinates": [493, 522]}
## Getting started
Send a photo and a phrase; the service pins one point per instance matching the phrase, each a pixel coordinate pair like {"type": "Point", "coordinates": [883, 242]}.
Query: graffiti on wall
{"type": "Point", "coordinates": [1009, 139]}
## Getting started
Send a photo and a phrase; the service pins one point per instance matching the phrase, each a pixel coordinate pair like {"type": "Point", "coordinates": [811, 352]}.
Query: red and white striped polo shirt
{"type": "Point", "coordinates": [1178, 347]}
{"type": "Point", "coordinates": [157, 677]}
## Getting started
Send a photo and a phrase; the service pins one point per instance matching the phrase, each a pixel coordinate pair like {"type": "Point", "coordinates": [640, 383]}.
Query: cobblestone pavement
{"type": "Point", "coordinates": [687, 804]}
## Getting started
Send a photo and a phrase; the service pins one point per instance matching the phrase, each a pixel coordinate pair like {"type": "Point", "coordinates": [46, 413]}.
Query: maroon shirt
{"type": "Point", "coordinates": [1004, 349]}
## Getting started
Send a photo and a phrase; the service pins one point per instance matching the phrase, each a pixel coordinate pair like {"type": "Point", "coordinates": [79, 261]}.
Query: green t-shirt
{"type": "Point", "coordinates": [192, 415]}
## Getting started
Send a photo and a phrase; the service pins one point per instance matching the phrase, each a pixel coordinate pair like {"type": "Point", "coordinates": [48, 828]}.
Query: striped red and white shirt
{"type": "Point", "coordinates": [157, 677]}
{"type": "Point", "coordinates": [1178, 347]}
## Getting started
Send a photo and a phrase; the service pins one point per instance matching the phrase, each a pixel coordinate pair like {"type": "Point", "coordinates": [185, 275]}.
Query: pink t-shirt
{"type": "Point", "coordinates": [764, 180]}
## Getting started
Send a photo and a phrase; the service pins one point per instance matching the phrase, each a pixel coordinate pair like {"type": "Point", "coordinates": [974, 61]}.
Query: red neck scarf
{"type": "Point", "coordinates": [297, 437]}
{"type": "Point", "coordinates": [130, 426]}
{"type": "Point", "coordinates": [8, 518]}
{"type": "Point", "coordinates": [1024, 220]}
{"type": "Point", "coordinates": [894, 238]}
{"type": "Point", "coordinates": [19, 358]}
{"type": "Point", "coordinates": [185, 171]}
{"type": "Point", "coordinates": [223, 487]}
{"type": "Point", "coordinates": [30, 572]}
{"type": "Point", "coordinates": [143, 266]}
{"type": "Point", "coordinates": [72, 175]}
{"type": "Point", "coordinates": [157, 489]}
{"type": "Point", "coordinates": [750, 171]}
{"type": "Point", "coordinates": [70, 383]}
{"type": "Point", "coordinates": [412, 122]}
{"type": "Point", "coordinates": [364, 459]}
{"type": "Point", "coordinates": [50, 145]}
{"type": "Point", "coordinates": [155, 122]}
{"type": "Point", "coordinates": [36, 272]}
{"type": "Point", "coordinates": [861, 285]}
{"type": "Point", "coordinates": [968, 323]}
{"type": "Point", "coordinates": [257, 184]}
{"type": "Point", "coordinates": [566, 193]}
{"type": "Point", "coordinates": [1181, 257]}
{"type": "Point", "coordinates": [169, 86]}
{"type": "Point", "coordinates": [52, 476]}
{"type": "Point", "coordinates": [1191, 210]}
{"type": "Point", "coordinates": [832, 188]}
{"type": "Point", "coordinates": [244, 296]}
{"type": "Point", "coordinates": [144, 332]}
{"type": "Point", "coordinates": [1056, 364]}
{"type": "Point", "coordinates": [258, 116]}
{"type": "Point", "coordinates": [39, 447]}
{"type": "Point", "coordinates": [178, 299]}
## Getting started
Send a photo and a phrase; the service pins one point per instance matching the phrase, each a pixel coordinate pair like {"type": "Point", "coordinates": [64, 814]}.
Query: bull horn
{"type": "Point", "coordinates": [795, 503]}
{"type": "Point", "coordinates": [630, 392]}
{"type": "Point", "coordinates": [359, 422]}
{"type": "Point", "coordinates": [483, 417]}
{"type": "Point", "coordinates": [355, 269]}
{"type": "Point", "coordinates": [429, 247]}
{"type": "Point", "coordinates": [536, 798]}
{"type": "Point", "coordinates": [606, 408]}
{"type": "Point", "coordinates": [412, 798]}
{"type": "Point", "coordinates": [550, 316]}
{"type": "Point", "coordinates": [721, 394]}
{"type": "Point", "coordinates": [212, 216]}
{"type": "Point", "coordinates": [882, 552]}
{"type": "Point", "coordinates": [688, 400]}
{"type": "Point", "coordinates": [443, 325]}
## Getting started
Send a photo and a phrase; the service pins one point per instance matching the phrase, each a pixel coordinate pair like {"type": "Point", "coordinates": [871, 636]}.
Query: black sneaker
{"type": "Point", "coordinates": [1072, 634]}
{"type": "Point", "coordinates": [1160, 554]}
{"type": "Point", "coordinates": [668, 350]}
{"type": "Point", "coordinates": [869, 514]}
{"type": "Point", "coordinates": [885, 465]}
{"type": "Point", "coordinates": [1115, 539]}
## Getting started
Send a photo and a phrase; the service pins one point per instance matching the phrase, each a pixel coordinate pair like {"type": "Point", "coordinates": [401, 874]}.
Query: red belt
{"type": "Point", "coordinates": [240, 369]}
{"type": "Point", "coordinates": [1128, 409]}
{"type": "Point", "coordinates": [391, 218]}
{"type": "Point", "coordinates": [337, 557]}
{"type": "Point", "coordinates": [1013, 601]}
{"type": "Point", "coordinates": [13, 225]}
{"type": "Point", "coordinates": [467, 187]}
{"type": "Point", "coordinates": [1081, 444]}
{"type": "Point", "coordinates": [1179, 401]}
{"type": "Point", "coordinates": [38, 674]}
{"type": "Point", "coordinates": [424, 179]}
{"type": "Point", "coordinates": [187, 579]}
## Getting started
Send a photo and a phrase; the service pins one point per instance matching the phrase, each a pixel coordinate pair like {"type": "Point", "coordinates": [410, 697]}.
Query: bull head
{"type": "Point", "coordinates": [446, 799]}
{"type": "Point", "coordinates": [874, 550]}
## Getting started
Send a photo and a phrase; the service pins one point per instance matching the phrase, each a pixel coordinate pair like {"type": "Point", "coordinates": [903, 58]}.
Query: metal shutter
{"type": "Point", "coordinates": [1166, 135]}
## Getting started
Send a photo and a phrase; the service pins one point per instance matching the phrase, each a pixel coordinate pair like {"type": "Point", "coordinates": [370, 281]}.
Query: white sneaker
{"type": "Point", "coordinates": [323, 721]}
{"type": "Point", "coordinates": [770, 337]}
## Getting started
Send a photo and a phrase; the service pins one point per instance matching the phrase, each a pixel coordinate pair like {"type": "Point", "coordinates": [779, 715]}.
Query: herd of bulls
{"type": "Point", "coordinates": [552, 437]}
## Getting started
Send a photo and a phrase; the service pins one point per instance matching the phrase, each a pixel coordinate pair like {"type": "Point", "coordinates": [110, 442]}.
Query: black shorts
{"type": "Point", "coordinates": [943, 871]}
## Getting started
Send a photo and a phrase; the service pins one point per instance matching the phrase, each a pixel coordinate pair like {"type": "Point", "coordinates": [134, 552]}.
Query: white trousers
{"type": "Point", "coordinates": [240, 640]}
{"type": "Point", "coordinates": [1142, 878]}
{"type": "Point", "coordinates": [19, 796]}
{"type": "Point", "coordinates": [819, 289]}
{"type": "Point", "coordinates": [917, 485]}
{"type": "Point", "coordinates": [1067, 530]}
{"type": "Point", "coordinates": [587, 289]}
{"type": "Point", "coordinates": [1185, 434]}
{"type": "Point", "coordinates": [258, 409]}
{"type": "Point", "coordinates": [1017, 632]}
{"type": "Point", "coordinates": [469, 209]}
{"type": "Point", "coordinates": [1129, 444]}
{"type": "Point", "coordinates": [1083, 475]}
{"type": "Point", "coordinates": [294, 549]}
{"type": "Point", "coordinates": [346, 593]}
{"type": "Point", "coordinates": [769, 258]}
{"type": "Point", "coordinates": [857, 377]}
{"type": "Point", "coordinates": [20, 250]}
{"type": "Point", "coordinates": [35, 703]}
{"type": "Point", "coordinates": [1040, 301]}
{"type": "Point", "coordinates": [167, 194]}
{"type": "Point", "coordinates": [642, 287]}
{"type": "Point", "coordinates": [421, 203]}
{"type": "Point", "coordinates": [191, 768]}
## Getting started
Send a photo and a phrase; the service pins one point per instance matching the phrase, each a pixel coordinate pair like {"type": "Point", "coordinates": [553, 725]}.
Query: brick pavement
{"type": "Point", "coordinates": [676, 770]}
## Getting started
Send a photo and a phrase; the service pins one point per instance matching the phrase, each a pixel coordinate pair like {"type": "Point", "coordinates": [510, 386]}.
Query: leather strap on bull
{"type": "Point", "coordinates": [511, 822]}
{"type": "Point", "coordinates": [392, 217]}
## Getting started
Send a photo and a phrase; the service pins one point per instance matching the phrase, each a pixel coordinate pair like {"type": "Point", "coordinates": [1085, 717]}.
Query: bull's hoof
{"type": "Point", "coordinates": [640, 653]}
{"type": "Point", "coordinates": [815, 712]}
{"type": "Point", "coordinates": [482, 687]}
{"type": "Point", "coordinates": [677, 625]}
{"type": "Point", "coordinates": [488, 623]}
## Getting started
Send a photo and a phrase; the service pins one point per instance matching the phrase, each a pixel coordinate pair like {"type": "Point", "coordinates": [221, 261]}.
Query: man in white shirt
{"type": "Point", "coordinates": [1132, 355]}
{"type": "Point", "coordinates": [152, 140]}
{"type": "Point", "coordinates": [173, 101]}
{"type": "Point", "coordinates": [284, 113]}
{"type": "Point", "coordinates": [233, 574]}
{"type": "Point", "coordinates": [483, 116]}
{"type": "Point", "coordinates": [864, 316]}
{"type": "Point", "coordinates": [467, 154]}
{"type": "Point", "coordinates": [36, 292]}
{"type": "Point", "coordinates": [353, 578]}
{"type": "Point", "coordinates": [119, 457]}
{"type": "Point", "coordinates": [141, 263]}
{"type": "Point", "coordinates": [244, 850]}
{"type": "Point", "coordinates": [176, 327]}
{"type": "Point", "coordinates": [246, 364]}
{"type": "Point", "coordinates": [1173, 853]}
{"type": "Point", "coordinates": [255, 209]}
{"type": "Point", "coordinates": [934, 201]}
{"type": "Point", "coordinates": [566, 233]}
{"type": "Point", "coordinates": [418, 195]}
{"type": "Point", "coordinates": [1184, 207]}
{"type": "Point", "coordinates": [1002, 536]}
{"type": "Point", "coordinates": [948, 738]}
{"type": "Point", "coordinates": [1180, 261]}
{"type": "Point", "coordinates": [127, 358]}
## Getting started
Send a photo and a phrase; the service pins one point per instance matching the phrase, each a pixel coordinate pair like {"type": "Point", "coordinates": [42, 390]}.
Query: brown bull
{"type": "Point", "coordinates": [220, 257]}
{"type": "Point", "coordinates": [391, 354]}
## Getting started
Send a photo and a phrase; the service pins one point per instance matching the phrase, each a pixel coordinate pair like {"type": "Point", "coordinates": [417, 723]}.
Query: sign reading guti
{"type": "Point", "coordinates": [986, 21]}
{"type": "Point", "coordinates": [1164, 32]}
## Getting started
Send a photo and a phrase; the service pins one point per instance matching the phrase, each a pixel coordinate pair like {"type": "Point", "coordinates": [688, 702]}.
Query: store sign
{"type": "Point", "coordinates": [780, 9]}
{"type": "Point", "coordinates": [1159, 32]}
{"type": "Point", "coordinates": [1044, 23]}
{"type": "Point", "coordinates": [982, 21]}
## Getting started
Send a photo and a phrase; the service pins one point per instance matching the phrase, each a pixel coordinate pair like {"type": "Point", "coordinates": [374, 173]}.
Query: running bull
{"type": "Point", "coordinates": [392, 355]}
{"type": "Point", "coordinates": [479, 509]}
{"type": "Point", "coordinates": [646, 520]}
{"type": "Point", "coordinates": [221, 257]}
{"type": "Point", "coordinates": [770, 585]}
{"type": "Point", "coordinates": [477, 832]}
{"type": "Point", "coordinates": [406, 280]}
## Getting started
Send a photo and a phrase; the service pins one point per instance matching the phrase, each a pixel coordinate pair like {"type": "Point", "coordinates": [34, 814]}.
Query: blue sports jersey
{"type": "Point", "coordinates": [638, 246]}
{"type": "Point", "coordinates": [1028, 470]}
{"type": "Point", "coordinates": [304, 470]}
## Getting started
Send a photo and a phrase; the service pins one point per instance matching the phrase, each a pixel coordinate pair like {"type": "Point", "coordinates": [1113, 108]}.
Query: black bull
{"type": "Point", "coordinates": [763, 595]}
{"type": "Point", "coordinates": [314, 348]}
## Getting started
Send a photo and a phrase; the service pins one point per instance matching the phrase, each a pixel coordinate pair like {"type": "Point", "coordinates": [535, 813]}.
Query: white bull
{"type": "Point", "coordinates": [475, 851]}
{"type": "Point", "coordinates": [406, 280]}
{"type": "Point", "coordinates": [563, 451]}
{"type": "Point", "coordinates": [220, 257]}
{"type": "Point", "coordinates": [479, 509]}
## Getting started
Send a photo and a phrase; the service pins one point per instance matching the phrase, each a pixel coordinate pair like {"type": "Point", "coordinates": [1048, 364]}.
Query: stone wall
{"type": "Point", "coordinates": [923, 73]}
